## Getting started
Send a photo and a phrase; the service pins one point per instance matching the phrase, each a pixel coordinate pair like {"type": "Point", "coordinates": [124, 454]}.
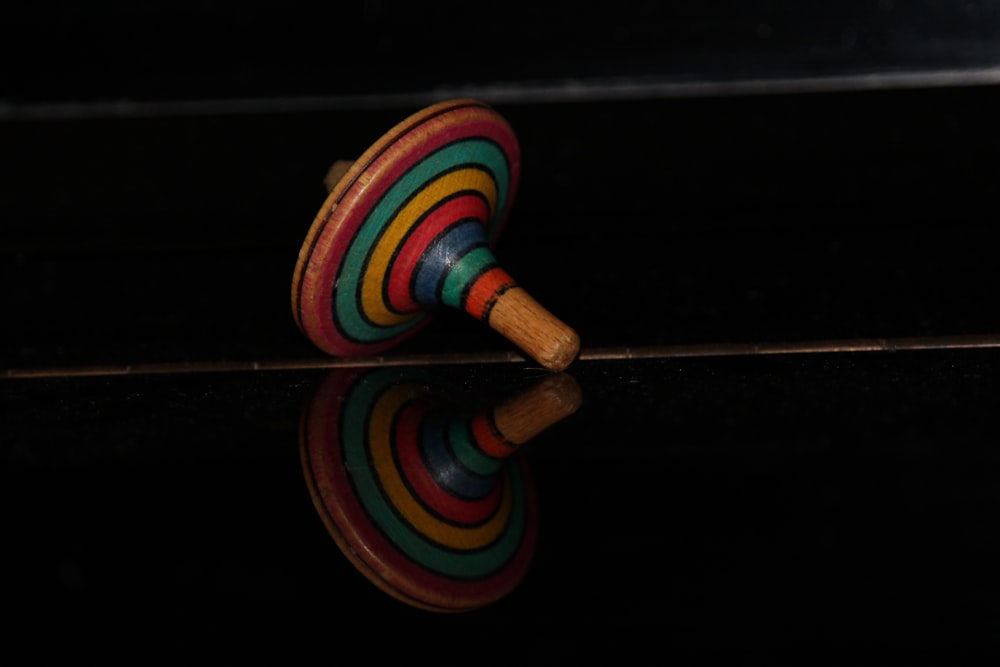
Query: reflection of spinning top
{"type": "Point", "coordinates": [424, 497]}
{"type": "Point", "coordinates": [410, 225]}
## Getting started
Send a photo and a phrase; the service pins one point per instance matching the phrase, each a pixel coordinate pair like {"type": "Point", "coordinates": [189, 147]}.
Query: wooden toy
{"type": "Point", "coordinates": [410, 226]}
{"type": "Point", "coordinates": [426, 495]}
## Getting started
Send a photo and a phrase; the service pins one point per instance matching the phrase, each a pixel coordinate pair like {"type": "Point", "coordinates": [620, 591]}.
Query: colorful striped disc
{"type": "Point", "coordinates": [409, 227]}
{"type": "Point", "coordinates": [405, 482]}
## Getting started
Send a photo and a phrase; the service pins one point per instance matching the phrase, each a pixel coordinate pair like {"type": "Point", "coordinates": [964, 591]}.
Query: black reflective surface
{"type": "Point", "coordinates": [840, 504]}
{"type": "Point", "coordinates": [842, 501]}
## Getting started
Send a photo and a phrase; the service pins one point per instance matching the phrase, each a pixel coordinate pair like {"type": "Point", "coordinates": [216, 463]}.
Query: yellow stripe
{"type": "Point", "coordinates": [376, 271]}
{"type": "Point", "coordinates": [400, 497]}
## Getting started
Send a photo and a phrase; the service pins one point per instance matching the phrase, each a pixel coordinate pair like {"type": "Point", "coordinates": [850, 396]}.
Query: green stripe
{"type": "Point", "coordinates": [463, 273]}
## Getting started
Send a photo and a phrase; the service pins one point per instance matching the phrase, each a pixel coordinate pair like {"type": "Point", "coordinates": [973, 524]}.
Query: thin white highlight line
{"type": "Point", "coordinates": [556, 91]}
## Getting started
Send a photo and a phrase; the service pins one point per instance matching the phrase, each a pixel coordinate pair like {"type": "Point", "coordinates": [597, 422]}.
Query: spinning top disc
{"type": "Point", "coordinates": [409, 226]}
{"type": "Point", "coordinates": [445, 170]}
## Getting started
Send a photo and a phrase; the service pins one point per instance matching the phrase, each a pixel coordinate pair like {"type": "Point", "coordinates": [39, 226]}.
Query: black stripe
{"type": "Point", "coordinates": [488, 309]}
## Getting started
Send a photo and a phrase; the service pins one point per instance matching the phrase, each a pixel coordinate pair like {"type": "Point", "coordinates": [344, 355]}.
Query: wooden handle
{"type": "Point", "coordinates": [335, 173]}
{"type": "Point", "coordinates": [526, 323]}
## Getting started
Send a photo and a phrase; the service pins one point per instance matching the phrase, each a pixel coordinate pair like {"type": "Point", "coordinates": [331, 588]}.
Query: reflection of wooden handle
{"type": "Point", "coordinates": [526, 323]}
{"type": "Point", "coordinates": [521, 418]}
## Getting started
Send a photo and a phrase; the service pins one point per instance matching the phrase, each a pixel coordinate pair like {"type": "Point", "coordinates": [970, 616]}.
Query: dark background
{"type": "Point", "coordinates": [693, 173]}
{"type": "Point", "coordinates": [61, 51]}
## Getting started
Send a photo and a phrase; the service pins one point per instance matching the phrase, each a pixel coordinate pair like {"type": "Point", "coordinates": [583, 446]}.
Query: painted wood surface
{"type": "Point", "coordinates": [410, 226]}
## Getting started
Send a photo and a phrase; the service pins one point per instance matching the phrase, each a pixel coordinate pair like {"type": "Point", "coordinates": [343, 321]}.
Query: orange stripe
{"type": "Point", "coordinates": [485, 292]}
{"type": "Point", "coordinates": [489, 439]}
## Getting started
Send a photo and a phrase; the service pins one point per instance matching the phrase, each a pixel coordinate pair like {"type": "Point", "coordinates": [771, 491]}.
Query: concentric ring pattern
{"type": "Point", "coordinates": [410, 227]}
{"type": "Point", "coordinates": [405, 487]}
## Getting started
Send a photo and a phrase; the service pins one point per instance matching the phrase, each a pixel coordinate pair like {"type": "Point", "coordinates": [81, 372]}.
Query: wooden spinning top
{"type": "Point", "coordinates": [424, 493]}
{"type": "Point", "coordinates": [410, 225]}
